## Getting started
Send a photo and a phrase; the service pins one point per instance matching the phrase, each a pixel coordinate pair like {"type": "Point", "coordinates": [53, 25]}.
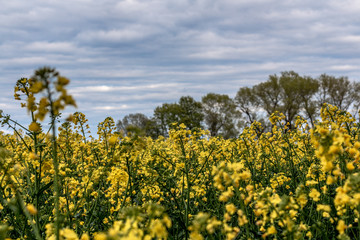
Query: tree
{"type": "Point", "coordinates": [220, 115]}
{"type": "Point", "coordinates": [190, 112]}
{"type": "Point", "coordinates": [247, 102]}
{"type": "Point", "coordinates": [137, 124]}
{"type": "Point", "coordinates": [165, 115]}
{"type": "Point", "coordinates": [186, 111]}
{"type": "Point", "coordinates": [291, 102]}
{"type": "Point", "coordinates": [339, 92]}
{"type": "Point", "coordinates": [288, 93]}
{"type": "Point", "coordinates": [307, 89]}
{"type": "Point", "coordinates": [269, 94]}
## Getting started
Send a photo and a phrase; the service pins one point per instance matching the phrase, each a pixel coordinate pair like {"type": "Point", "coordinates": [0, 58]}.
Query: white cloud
{"type": "Point", "coordinates": [132, 55]}
{"type": "Point", "coordinates": [105, 88]}
{"type": "Point", "coordinates": [345, 67]}
{"type": "Point", "coordinates": [132, 33]}
{"type": "Point", "coordinates": [107, 108]}
{"type": "Point", "coordinates": [61, 47]}
{"type": "Point", "coordinates": [3, 106]}
{"type": "Point", "coordinates": [349, 39]}
{"type": "Point", "coordinates": [36, 60]}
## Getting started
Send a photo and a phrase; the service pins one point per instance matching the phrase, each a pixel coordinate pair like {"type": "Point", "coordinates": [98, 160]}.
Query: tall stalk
{"type": "Point", "coordinates": [44, 80]}
{"type": "Point", "coordinates": [56, 175]}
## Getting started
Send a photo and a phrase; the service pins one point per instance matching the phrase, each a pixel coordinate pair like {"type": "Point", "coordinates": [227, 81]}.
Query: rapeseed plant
{"type": "Point", "coordinates": [289, 183]}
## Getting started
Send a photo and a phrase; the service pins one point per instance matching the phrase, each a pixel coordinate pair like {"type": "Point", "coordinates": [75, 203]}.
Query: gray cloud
{"type": "Point", "coordinates": [133, 55]}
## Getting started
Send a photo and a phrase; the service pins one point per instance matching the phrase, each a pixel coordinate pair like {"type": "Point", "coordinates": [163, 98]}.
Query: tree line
{"type": "Point", "coordinates": [289, 93]}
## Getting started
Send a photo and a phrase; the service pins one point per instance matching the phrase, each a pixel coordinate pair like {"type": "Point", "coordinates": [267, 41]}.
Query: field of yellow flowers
{"type": "Point", "coordinates": [61, 183]}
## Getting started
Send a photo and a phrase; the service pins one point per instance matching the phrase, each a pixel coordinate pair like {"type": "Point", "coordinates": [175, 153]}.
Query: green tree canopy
{"type": "Point", "coordinates": [190, 112]}
{"type": "Point", "coordinates": [247, 102]}
{"type": "Point", "coordinates": [187, 111]}
{"type": "Point", "coordinates": [338, 91]}
{"type": "Point", "coordinates": [220, 115]}
{"type": "Point", "coordinates": [289, 93]}
{"type": "Point", "coordinates": [137, 124]}
{"type": "Point", "coordinates": [269, 94]}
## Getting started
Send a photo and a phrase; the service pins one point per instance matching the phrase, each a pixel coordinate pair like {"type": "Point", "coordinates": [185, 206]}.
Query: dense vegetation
{"type": "Point", "coordinates": [291, 94]}
{"type": "Point", "coordinates": [296, 181]}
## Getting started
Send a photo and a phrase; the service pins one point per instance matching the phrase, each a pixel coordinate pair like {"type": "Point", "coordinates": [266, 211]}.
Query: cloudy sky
{"type": "Point", "coordinates": [128, 56]}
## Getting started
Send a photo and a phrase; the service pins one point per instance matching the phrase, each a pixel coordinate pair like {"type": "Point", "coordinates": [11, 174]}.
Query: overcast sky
{"type": "Point", "coordinates": [133, 55]}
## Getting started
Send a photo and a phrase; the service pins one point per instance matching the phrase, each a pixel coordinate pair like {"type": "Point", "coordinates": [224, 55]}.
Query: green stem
{"type": "Point", "coordinates": [56, 167]}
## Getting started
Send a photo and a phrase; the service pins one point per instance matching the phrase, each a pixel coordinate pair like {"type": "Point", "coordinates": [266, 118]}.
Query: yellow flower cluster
{"type": "Point", "coordinates": [289, 183]}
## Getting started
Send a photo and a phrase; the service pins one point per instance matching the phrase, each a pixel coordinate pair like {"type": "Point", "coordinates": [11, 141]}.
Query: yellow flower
{"type": "Point", "coordinates": [33, 156]}
{"type": "Point", "coordinates": [330, 180]}
{"type": "Point", "coordinates": [302, 199]}
{"type": "Point", "coordinates": [245, 175]}
{"type": "Point", "coordinates": [303, 227]}
{"type": "Point", "coordinates": [311, 182]}
{"type": "Point", "coordinates": [68, 234]}
{"type": "Point", "coordinates": [353, 151]}
{"type": "Point", "coordinates": [227, 217]}
{"type": "Point", "coordinates": [31, 208]}
{"type": "Point", "coordinates": [34, 127]}
{"type": "Point", "coordinates": [230, 235]}
{"type": "Point", "coordinates": [293, 213]}
{"type": "Point", "coordinates": [324, 189]}
{"type": "Point", "coordinates": [314, 194]}
{"type": "Point", "coordinates": [341, 226]}
{"type": "Point", "coordinates": [157, 229]}
{"type": "Point", "coordinates": [271, 230]}
{"type": "Point", "coordinates": [100, 236]}
{"type": "Point", "coordinates": [36, 87]}
{"type": "Point", "coordinates": [112, 140]}
{"type": "Point", "coordinates": [321, 207]}
{"type": "Point", "coordinates": [17, 96]}
{"type": "Point", "coordinates": [327, 165]}
{"type": "Point", "coordinates": [242, 218]}
{"type": "Point", "coordinates": [63, 81]}
{"type": "Point", "coordinates": [334, 149]}
{"type": "Point", "coordinates": [85, 236]}
{"type": "Point", "coordinates": [275, 199]}
{"type": "Point", "coordinates": [196, 236]}
{"type": "Point", "coordinates": [226, 195]}
{"type": "Point", "coordinates": [350, 166]}
{"type": "Point", "coordinates": [148, 237]}
{"type": "Point", "coordinates": [337, 172]}
{"type": "Point", "coordinates": [341, 198]}
{"type": "Point", "coordinates": [230, 208]}
{"type": "Point", "coordinates": [49, 230]}
{"type": "Point", "coordinates": [212, 224]}
{"type": "Point", "coordinates": [167, 221]}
